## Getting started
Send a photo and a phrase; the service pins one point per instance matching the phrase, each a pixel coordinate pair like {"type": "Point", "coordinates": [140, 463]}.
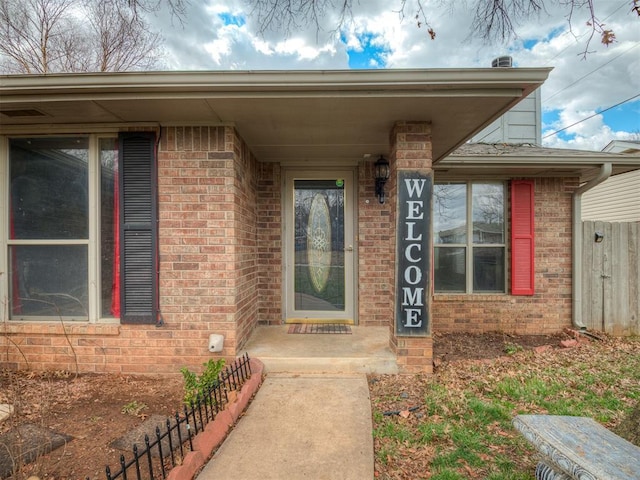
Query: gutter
{"type": "Point", "coordinates": [576, 259]}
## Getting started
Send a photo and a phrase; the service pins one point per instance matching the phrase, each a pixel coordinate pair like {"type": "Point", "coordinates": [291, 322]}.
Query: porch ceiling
{"type": "Point", "coordinates": [284, 116]}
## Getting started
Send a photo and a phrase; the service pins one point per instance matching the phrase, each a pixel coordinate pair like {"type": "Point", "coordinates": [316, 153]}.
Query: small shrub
{"type": "Point", "coordinates": [512, 348]}
{"type": "Point", "coordinates": [198, 385]}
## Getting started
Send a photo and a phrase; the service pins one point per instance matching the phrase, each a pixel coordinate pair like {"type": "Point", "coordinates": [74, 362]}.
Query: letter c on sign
{"type": "Point", "coordinates": [407, 252]}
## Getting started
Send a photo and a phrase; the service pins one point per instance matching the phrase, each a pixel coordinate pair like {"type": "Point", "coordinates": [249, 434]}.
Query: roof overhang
{"type": "Point", "coordinates": [284, 116]}
{"type": "Point", "coordinates": [623, 146]}
{"type": "Point", "coordinates": [483, 161]}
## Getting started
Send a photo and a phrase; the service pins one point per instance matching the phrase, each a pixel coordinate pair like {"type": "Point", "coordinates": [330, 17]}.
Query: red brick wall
{"type": "Point", "coordinates": [549, 310]}
{"type": "Point", "coordinates": [410, 150]}
{"type": "Point", "coordinates": [247, 269]}
{"type": "Point", "coordinates": [375, 261]}
{"type": "Point", "coordinates": [221, 265]}
{"type": "Point", "coordinates": [209, 275]}
{"type": "Point", "coordinates": [209, 271]}
{"type": "Point", "coordinates": [269, 222]}
{"type": "Point", "coordinates": [196, 186]}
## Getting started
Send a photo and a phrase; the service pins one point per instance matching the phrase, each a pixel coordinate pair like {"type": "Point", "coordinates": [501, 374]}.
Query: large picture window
{"type": "Point", "coordinates": [62, 218]}
{"type": "Point", "coordinates": [469, 237]}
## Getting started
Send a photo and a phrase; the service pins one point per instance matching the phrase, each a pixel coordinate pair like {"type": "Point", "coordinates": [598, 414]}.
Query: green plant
{"type": "Point", "coordinates": [389, 429]}
{"type": "Point", "coordinates": [196, 386]}
{"type": "Point", "coordinates": [133, 408]}
{"type": "Point", "coordinates": [512, 348]}
{"type": "Point", "coordinates": [464, 428]}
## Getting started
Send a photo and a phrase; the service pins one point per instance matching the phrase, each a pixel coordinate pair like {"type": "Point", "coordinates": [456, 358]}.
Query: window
{"type": "Point", "coordinates": [51, 237]}
{"type": "Point", "coordinates": [67, 237]}
{"type": "Point", "coordinates": [469, 237]}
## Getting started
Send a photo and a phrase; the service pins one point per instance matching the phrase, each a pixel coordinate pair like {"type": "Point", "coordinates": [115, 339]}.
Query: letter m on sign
{"type": "Point", "coordinates": [522, 238]}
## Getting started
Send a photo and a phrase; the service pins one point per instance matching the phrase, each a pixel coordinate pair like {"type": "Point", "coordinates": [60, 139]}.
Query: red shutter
{"type": "Point", "coordinates": [522, 238]}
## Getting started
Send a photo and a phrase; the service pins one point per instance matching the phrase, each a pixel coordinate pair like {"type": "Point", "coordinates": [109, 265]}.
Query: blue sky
{"type": "Point", "coordinates": [369, 54]}
{"type": "Point", "coordinates": [230, 19]}
{"type": "Point", "coordinates": [223, 35]}
{"type": "Point", "coordinates": [625, 117]}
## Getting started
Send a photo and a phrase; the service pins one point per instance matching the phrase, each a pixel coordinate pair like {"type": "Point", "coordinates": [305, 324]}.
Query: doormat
{"type": "Point", "coordinates": [319, 328]}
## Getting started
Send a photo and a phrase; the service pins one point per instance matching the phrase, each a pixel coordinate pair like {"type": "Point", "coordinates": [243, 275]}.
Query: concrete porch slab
{"type": "Point", "coordinates": [366, 350]}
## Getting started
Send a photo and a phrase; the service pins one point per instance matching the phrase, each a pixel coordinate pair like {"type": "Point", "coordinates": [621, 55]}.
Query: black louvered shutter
{"type": "Point", "coordinates": [138, 228]}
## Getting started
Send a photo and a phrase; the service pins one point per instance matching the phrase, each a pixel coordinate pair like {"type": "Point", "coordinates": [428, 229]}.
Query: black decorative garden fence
{"type": "Point", "coordinates": [173, 439]}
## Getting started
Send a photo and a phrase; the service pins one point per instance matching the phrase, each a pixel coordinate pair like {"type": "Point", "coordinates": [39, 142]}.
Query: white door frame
{"type": "Point", "coordinates": [290, 315]}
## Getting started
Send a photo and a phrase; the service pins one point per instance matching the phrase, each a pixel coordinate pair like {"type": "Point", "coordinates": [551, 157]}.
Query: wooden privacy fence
{"type": "Point", "coordinates": [611, 277]}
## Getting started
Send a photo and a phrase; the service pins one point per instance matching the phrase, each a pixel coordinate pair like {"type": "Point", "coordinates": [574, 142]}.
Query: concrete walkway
{"type": "Point", "coordinates": [300, 426]}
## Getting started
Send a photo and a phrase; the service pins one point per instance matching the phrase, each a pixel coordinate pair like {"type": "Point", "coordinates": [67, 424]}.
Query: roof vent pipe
{"type": "Point", "coordinates": [502, 62]}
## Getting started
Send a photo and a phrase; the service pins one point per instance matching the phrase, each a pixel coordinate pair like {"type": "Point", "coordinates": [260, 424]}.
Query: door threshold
{"type": "Point", "coordinates": [336, 321]}
{"type": "Point", "coordinates": [320, 328]}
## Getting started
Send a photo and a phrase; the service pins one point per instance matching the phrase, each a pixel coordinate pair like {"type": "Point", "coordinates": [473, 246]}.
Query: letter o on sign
{"type": "Point", "coordinates": [413, 275]}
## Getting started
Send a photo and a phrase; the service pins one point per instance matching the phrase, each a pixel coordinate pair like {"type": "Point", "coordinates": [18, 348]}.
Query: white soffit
{"type": "Point", "coordinates": [282, 115]}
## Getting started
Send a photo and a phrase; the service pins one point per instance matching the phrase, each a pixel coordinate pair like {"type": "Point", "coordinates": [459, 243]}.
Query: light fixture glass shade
{"type": "Point", "coordinates": [382, 169]}
{"type": "Point", "coordinates": [382, 172]}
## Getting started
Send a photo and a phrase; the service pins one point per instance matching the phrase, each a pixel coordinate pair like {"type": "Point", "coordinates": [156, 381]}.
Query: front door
{"type": "Point", "coordinates": [319, 247]}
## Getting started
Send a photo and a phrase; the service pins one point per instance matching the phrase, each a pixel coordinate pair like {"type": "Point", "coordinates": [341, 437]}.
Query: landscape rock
{"type": "Point", "coordinates": [148, 428]}
{"type": "Point", "coordinates": [569, 343]}
{"type": "Point", "coordinates": [6, 410]}
{"type": "Point", "coordinates": [572, 333]}
{"type": "Point", "coordinates": [25, 444]}
{"type": "Point", "coordinates": [542, 349]}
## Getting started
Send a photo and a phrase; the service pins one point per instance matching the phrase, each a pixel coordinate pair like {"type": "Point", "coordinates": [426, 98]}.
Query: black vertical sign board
{"type": "Point", "coordinates": [414, 254]}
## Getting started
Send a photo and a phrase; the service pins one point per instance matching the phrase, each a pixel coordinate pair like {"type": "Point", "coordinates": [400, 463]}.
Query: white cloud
{"type": "Point", "coordinates": [577, 87]}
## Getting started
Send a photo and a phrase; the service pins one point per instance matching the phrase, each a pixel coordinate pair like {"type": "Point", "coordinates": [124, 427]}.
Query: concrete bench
{"type": "Point", "coordinates": [578, 448]}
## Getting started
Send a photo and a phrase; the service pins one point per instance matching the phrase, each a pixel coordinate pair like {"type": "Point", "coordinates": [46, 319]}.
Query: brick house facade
{"type": "Point", "coordinates": [549, 309]}
{"type": "Point", "coordinates": [221, 252]}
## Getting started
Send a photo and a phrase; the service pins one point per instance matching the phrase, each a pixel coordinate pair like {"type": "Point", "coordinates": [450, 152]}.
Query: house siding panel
{"type": "Point", "coordinates": [614, 200]}
{"type": "Point", "coordinates": [521, 124]}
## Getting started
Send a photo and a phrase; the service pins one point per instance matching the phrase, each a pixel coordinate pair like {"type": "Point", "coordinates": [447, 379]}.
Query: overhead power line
{"type": "Point", "coordinates": [591, 116]}
{"type": "Point", "coordinates": [593, 71]}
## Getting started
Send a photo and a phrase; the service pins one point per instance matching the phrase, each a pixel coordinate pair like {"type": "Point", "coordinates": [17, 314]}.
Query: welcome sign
{"type": "Point", "coordinates": [414, 253]}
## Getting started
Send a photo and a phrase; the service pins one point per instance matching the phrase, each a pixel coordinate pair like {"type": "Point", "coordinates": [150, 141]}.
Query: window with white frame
{"type": "Point", "coordinates": [62, 234]}
{"type": "Point", "coordinates": [469, 237]}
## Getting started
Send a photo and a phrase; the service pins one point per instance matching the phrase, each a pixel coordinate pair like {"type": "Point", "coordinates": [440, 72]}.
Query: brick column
{"type": "Point", "coordinates": [411, 154]}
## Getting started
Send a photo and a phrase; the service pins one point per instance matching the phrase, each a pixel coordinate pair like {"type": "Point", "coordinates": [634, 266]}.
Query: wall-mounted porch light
{"type": "Point", "coordinates": [382, 172]}
{"type": "Point", "coordinates": [599, 237]}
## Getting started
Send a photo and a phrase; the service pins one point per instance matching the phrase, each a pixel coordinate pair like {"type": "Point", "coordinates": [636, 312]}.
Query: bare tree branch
{"type": "Point", "coordinates": [45, 36]}
{"type": "Point", "coordinates": [122, 41]}
{"type": "Point", "coordinates": [607, 36]}
{"type": "Point", "coordinates": [178, 8]}
{"type": "Point", "coordinates": [290, 15]}
{"type": "Point", "coordinates": [31, 31]}
{"type": "Point", "coordinates": [493, 20]}
{"type": "Point", "coordinates": [496, 20]}
{"type": "Point", "coordinates": [42, 36]}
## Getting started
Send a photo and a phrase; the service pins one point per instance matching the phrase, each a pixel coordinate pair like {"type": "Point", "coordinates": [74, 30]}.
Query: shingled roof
{"type": "Point", "coordinates": [502, 160]}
